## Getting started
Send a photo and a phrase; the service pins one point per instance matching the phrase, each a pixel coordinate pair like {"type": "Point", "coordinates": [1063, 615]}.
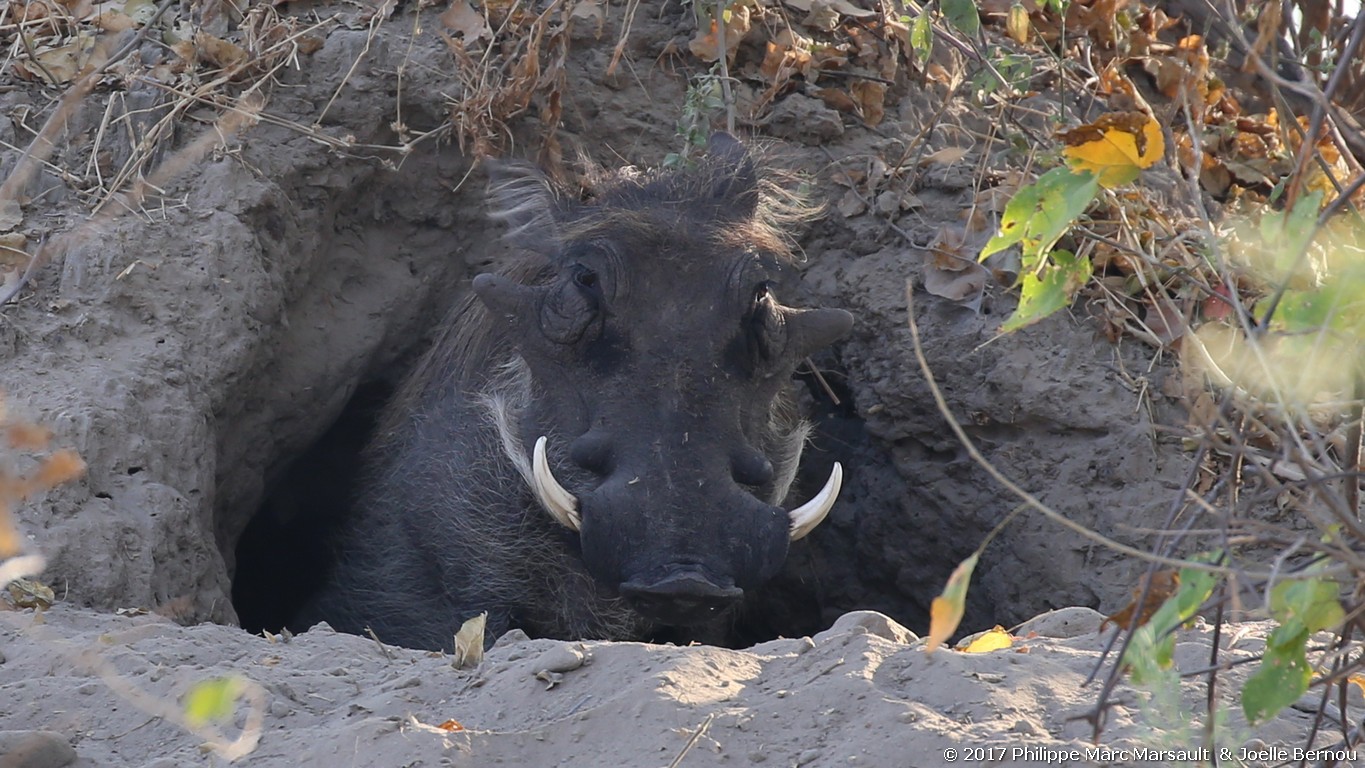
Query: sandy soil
{"type": "Point", "coordinates": [863, 692]}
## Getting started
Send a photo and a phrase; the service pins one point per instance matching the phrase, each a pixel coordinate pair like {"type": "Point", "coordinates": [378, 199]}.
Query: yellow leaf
{"type": "Point", "coordinates": [1116, 147]}
{"type": "Point", "coordinates": [212, 700]}
{"type": "Point", "coordinates": [1359, 680]}
{"type": "Point", "coordinates": [1017, 24]}
{"type": "Point", "coordinates": [945, 613]}
{"type": "Point", "coordinates": [992, 640]}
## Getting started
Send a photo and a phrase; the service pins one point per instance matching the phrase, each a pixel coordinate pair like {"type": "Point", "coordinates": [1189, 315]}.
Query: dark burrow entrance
{"type": "Point", "coordinates": [284, 553]}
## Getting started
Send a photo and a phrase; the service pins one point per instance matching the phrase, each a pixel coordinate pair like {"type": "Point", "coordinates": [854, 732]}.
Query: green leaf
{"type": "Point", "coordinates": [1196, 585]}
{"type": "Point", "coordinates": [1286, 235]}
{"type": "Point", "coordinates": [962, 15]}
{"type": "Point", "coordinates": [1282, 678]}
{"type": "Point", "coordinates": [1048, 289]}
{"type": "Point", "coordinates": [1039, 214]}
{"type": "Point", "coordinates": [1313, 602]}
{"type": "Point", "coordinates": [212, 700]}
{"type": "Point", "coordinates": [922, 36]}
{"type": "Point", "coordinates": [1302, 608]}
{"type": "Point", "coordinates": [1152, 649]}
{"type": "Point", "coordinates": [1013, 222]}
{"type": "Point", "coordinates": [1036, 218]}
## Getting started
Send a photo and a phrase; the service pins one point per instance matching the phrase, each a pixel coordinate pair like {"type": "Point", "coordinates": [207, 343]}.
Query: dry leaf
{"type": "Point", "coordinates": [948, 249]}
{"type": "Point", "coordinates": [469, 642]}
{"type": "Point", "coordinates": [1217, 307]}
{"type": "Point", "coordinates": [821, 17]}
{"type": "Point", "coordinates": [61, 65]}
{"type": "Point", "coordinates": [114, 21]}
{"type": "Point", "coordinates": [706, 46]}
{"type": "Point", "coordinates": [851, 204]}
{"type": "Point", "coordinates": [140, 11]}
{"type": "Point", "coordinates": [849, 9]}
{"type": "Point", "coordinates": [850, 177]}
{"type": "Point", "coordinates": [310, 44]}
{"type": "Point", "coordinates": [219, 52]}
{"type": "Point", "coordinates": [592, 11]}
{"type": "Point", "coordinates": [29, 12]}
{"type": "Point", "coordinates": [780, 62]}
{"type": "Point", "coordinates": [1165, 320]}
{"type": "Point", "coordinates": [461, 19]}
{"type": "Point", "coordinates": [966, 285]}
{"type": "Point", "coordinates": [27, 593]}
{"type": "Point", "coordinates": [451, 726]}
{"type": "Point", "coordinates": [870, 97]}
{"type": "Point", "coordinates": [945, 156]}
{"type": "Point", "coordinates": [11, 215]}
{"type": "Point", "coordinates": [837, 99]}
{"type": "Point", "coordinates": [949, 273]}
{"type": "Point", "coordinates": [1132, 615]}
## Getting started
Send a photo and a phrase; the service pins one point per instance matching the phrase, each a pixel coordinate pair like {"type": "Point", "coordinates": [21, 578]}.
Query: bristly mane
{"type": "Point", "coordinates": [780, 205]}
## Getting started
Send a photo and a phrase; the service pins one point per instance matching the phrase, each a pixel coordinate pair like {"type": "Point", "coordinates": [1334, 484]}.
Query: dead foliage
{"type": "Point", "coordinates": [29, 467]}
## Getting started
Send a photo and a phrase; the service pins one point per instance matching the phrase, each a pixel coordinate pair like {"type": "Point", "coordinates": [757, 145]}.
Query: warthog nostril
{"type": "Point", "coordinates": [681, 598]}
{"type": "Point", "coordinates": [751, 468]}
{"type": "Point", "coordinates": [592, 452]}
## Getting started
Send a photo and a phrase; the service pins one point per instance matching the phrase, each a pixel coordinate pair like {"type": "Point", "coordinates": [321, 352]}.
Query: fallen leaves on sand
{"type": "Point", "coordinates": [994, 639]}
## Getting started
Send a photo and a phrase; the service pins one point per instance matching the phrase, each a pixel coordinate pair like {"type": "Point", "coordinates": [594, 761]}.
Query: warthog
{"type": "Point", "coordinates": [599, 442]}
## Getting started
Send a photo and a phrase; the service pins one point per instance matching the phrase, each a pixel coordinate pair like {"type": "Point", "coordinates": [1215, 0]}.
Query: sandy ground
{"type": "Point", "coordinates": [76, 686]}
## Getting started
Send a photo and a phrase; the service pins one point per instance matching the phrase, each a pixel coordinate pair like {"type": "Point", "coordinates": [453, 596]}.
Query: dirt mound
{"type": "Point", "coordinates": [861, 693]}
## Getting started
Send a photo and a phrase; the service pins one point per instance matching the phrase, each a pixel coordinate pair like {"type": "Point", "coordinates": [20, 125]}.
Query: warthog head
{"type": "Point", "coordinates": [656, 357]}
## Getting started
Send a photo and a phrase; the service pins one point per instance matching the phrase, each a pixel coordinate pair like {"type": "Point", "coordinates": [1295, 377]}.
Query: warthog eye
{"type": "Point", "coordinates": [763, 323]}
{"type": "Point", "coordinates": [585, 278]}
{"type": "Point", "coordinates": [573, 308]}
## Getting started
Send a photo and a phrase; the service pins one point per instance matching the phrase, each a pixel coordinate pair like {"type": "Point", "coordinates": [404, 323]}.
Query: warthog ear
{"type": "Point", "coordinates": [810, 330]}
{"type": "Point", "coordinates": [521, 196]}
{"type": "Point", "coordinates": [735, 184]}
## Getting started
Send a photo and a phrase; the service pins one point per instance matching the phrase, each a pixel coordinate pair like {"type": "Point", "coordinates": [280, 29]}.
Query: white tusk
{"type": "Point", "coordinates": [561, 504]}
{"type": "Point", "coordinates": [809, 515]}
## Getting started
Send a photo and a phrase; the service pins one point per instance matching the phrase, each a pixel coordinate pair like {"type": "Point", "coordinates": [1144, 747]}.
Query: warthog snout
{"type": "Point", "coordinates": [683, 596]}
